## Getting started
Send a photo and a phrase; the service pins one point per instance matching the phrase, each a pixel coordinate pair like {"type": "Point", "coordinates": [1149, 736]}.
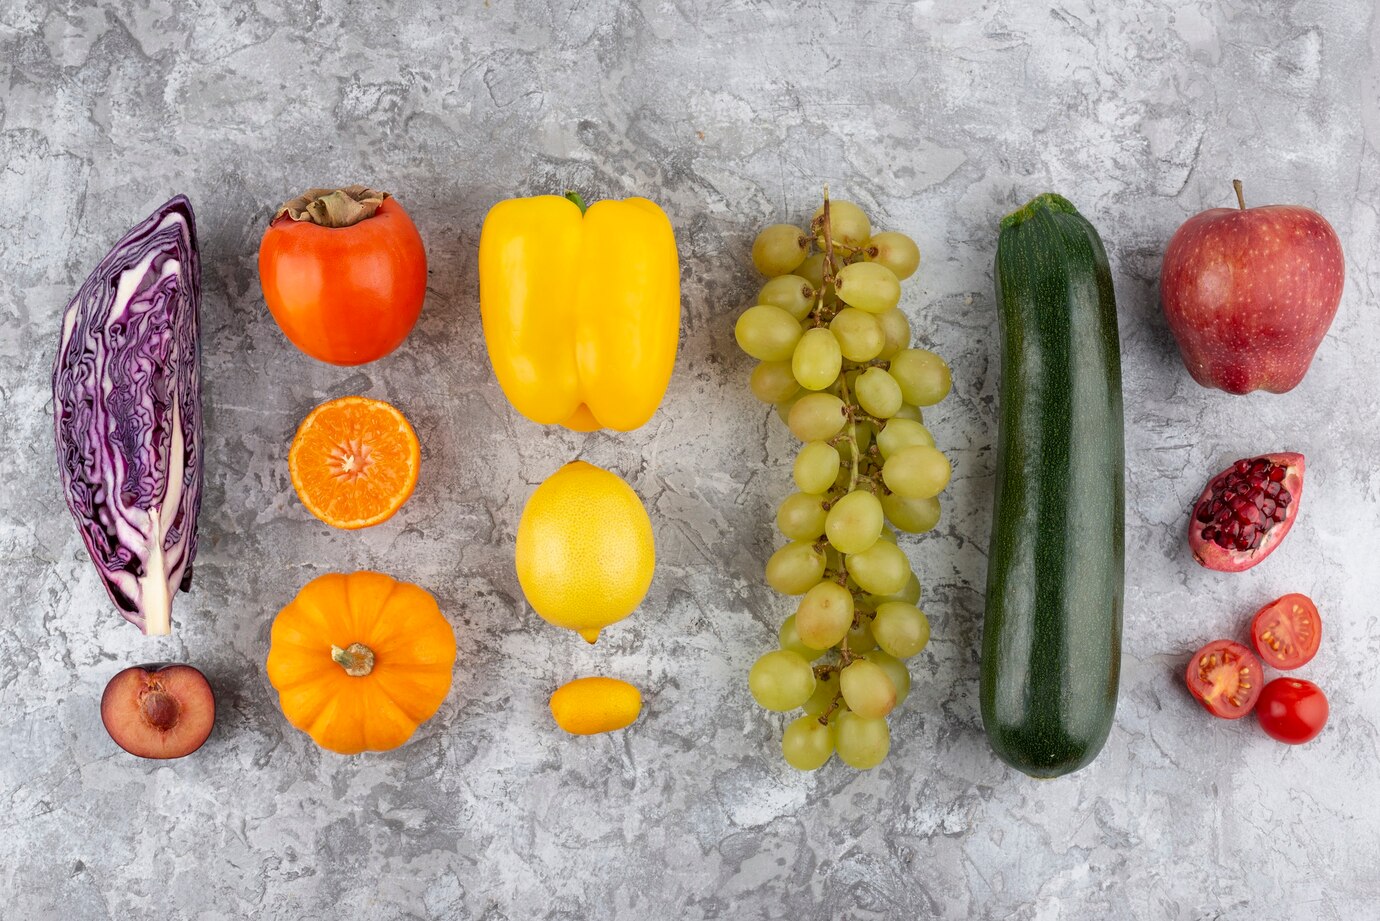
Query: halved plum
{"type": "Point", "coordinates": [159, 711]}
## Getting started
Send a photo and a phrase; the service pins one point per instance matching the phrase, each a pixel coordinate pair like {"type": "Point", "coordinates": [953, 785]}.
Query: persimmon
{"type": "Point", "coordinates": [344, 273]}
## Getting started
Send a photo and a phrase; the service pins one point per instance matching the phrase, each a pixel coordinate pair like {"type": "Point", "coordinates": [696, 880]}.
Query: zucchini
{"type": "Point", "coordinates": [1051, 645]}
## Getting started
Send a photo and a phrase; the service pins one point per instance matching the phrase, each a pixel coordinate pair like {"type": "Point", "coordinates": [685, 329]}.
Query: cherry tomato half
{"type": "Point", "coordinates": [1287, 631]}
{"type": "Point", "coordinates": [1225, 677]}
{"type": "Point", "coordinates": [1292, 710]}
{"type": "Point", "coordinates": [345, 295]}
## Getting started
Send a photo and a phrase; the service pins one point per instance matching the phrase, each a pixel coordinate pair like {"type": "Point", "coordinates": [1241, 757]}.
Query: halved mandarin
{"type": "Point", "coordinates": [354, 462]}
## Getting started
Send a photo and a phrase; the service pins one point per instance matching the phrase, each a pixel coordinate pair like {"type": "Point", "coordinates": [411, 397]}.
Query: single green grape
{"type": "Point", "coordinates": [917, 472]}
{"type": "Point", "coordinates": [794, 568]}
{"type": "Point", "coordinates": [860, 336]}
{"type": "Point", "coordinates": [783, 408]}
{"type": "Point", "coordinates": [846, 379]}
{"type": "Point", "coordinates": [867, 690]}
{"type": "Point", "coordinates": [812, 270]}
{"type": "Point", "coordinates": [878, 393]}
{"type": "Point", "coordinates": [779, 248]}
{"type": "Point", "coordinates": [923, 376]}
{"type": "Point", "coordinates": [787, 638]}
{"type": "Point", "coordinates": [910, 594]}
{"type": "Point", "coordinates": [863, 433]}
{"type": "Point", "coordinates": [824, 615]}
{"type": "Point", "coordinates": [817, 359]}
{"type": "Point", "coordinates": [781, 680]}
{"type": "Point", "coordinates": [914, 516]}
{"type": "Point", "coordinates": [801, 516]}
{"type": "Point", "coordinates": [911, 412]}
{"type": "Point", "coordinates": [860, 637]}
{"type": "Point", "coordinates": [794, 295]}
{"type": "Point", "coordinates": [832, 558]}
{"type": "Point", "coordinates": [845, 476]}
{"type": "Point", "coordinates": [862, 743]}
{"type": "Point", "coordinates": [895, 670]}
{"type": "Point", "coordinates": [902, 433]}
{"type": "Point", "coordinates": [767, 333]}
{"type": "Point", "coordinates": [849, 227]}
{"type": "Point", "coordinates": [816, 467]}
{"type": "Point", "coordinates": [826, 689]}
{"type": "Point", "coordinates": [868, 286]}
{"type": "Point", "coordinates": [896, 251]}
{"type": "Point", "coordinates": [895, 331]}
{"type": "Point", "coordinates": [881, 569]}
{"type": "Point", "coordinates": [773, 381]}
{"type": "Point", "coordinates": [816, 417]}
{"type": "Point", "coordinates": [900, 629]}
{"type": "Point", "coordinates": [807, 743]}
{"type": "Point", "coordinates": [854, 522]}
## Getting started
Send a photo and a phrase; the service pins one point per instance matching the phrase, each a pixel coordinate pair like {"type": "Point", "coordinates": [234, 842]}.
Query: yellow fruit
{"type": "Point", "coordinates": [587, 706]}
{"type": "Point", "coordinates": [584, 549]}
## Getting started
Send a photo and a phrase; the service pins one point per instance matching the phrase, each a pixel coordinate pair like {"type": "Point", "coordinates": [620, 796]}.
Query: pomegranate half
{"type": "Point", "coordinates": [1245, 511]}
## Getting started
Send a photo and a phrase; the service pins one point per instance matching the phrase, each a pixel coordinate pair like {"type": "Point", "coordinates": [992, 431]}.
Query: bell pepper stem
{"type": "Point", "coordinates": [575, 198]}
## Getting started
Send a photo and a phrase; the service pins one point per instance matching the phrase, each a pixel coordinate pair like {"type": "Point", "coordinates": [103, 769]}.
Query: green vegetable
{"type": "Point", "coordinates": [1051, 649]}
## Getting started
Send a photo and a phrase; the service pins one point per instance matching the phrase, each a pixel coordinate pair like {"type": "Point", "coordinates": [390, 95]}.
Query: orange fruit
{"type": "Point", "coordinates": [354, 462]}
{"type": "Point", "coordinates": [587, 706]}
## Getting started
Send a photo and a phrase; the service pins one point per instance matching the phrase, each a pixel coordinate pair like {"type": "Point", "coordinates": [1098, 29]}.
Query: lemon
{"type": "Point", "coordinates": [587, 706]}
{"type": "Point", "coordinates": [584, 549]}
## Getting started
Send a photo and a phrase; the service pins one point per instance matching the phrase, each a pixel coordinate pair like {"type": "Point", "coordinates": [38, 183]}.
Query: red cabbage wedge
{"type": "Point", "coordinates": [127, 413]}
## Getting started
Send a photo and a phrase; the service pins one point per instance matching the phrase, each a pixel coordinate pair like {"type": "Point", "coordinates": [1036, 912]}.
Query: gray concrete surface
{"type": "Point", "coordinates": [939, 118]}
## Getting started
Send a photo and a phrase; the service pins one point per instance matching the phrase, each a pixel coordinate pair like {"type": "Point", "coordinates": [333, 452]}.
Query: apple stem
{"type": "Point", "coordinates": [1240, 196]}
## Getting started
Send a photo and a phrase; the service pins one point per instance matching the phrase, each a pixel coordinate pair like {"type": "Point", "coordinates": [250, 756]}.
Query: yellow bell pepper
{"type": "Point", "coordinates": [581, 308]}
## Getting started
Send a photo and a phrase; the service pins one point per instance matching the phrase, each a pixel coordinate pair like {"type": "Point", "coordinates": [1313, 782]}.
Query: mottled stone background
{"type": "Point", "coordinates": [939, 117]}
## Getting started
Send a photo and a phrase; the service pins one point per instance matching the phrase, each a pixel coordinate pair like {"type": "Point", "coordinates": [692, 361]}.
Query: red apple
{"type": "Point", "coordinates": [1250, 292]}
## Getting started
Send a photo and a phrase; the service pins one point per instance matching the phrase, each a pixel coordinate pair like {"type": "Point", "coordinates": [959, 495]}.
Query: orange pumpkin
{"type": "Point", "coordinates": [360, 660]}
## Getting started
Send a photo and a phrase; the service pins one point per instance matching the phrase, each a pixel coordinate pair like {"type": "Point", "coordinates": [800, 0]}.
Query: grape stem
{"type": "Point", "coordinates": [849, 436]}
{"type": "Point", "coordinates": [830, 270]}
{"type": "Point", "coordinates": [829, 710]}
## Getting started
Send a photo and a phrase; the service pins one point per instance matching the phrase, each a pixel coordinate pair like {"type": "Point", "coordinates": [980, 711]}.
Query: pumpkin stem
{"type": "Point", "coordinates": [357, 659]}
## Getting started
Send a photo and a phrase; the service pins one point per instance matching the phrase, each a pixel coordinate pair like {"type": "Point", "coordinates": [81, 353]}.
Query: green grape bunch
{"type": "Point", "coordinates": [835, 360]}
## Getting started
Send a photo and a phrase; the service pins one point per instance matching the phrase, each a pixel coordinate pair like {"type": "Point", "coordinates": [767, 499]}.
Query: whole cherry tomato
{"type": "Point", "coordinates": [1292, 710]}
{"type": "Point", "coordinates": [343, 293]}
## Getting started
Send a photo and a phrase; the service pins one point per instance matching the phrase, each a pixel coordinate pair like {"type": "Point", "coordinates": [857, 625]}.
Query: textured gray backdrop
{"type": "Point", "coordinates": [939, 117]}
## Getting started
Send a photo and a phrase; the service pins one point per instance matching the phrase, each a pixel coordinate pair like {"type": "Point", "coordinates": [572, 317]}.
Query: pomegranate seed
{"type": "Point", "coordinates": [1246, 501]}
